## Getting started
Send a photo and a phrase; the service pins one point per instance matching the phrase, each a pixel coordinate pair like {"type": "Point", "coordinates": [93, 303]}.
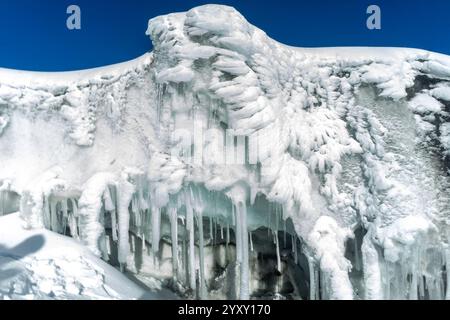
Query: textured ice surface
{"type": "Point", "coordinates": [337, 171]}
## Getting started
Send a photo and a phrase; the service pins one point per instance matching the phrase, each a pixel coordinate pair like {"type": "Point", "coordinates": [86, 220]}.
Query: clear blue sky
{"type": "Point", "coordinates": [33, 34]}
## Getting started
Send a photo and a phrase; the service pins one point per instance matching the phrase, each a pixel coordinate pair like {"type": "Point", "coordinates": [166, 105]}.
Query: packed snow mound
{"type": "Point", "coordinates": [222, 132]}
{"type": "Point", "coordinates": [39, 264]}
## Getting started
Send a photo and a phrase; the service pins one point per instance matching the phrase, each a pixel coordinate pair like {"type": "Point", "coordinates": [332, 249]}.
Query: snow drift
{"type": "Point", "coordinates": [238, 167]}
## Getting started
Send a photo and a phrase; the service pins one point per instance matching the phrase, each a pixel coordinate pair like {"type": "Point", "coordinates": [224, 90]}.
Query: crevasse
{"type": "Point", "coordinates": [237, 167]}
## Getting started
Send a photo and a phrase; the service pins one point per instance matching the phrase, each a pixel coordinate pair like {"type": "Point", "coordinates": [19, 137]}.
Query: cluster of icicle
{"type": "Point", "coordinates": [127, 205]}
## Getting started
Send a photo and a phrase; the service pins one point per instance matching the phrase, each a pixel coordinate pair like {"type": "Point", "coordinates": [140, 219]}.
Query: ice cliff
{"type": "Point", "coordinates": [238, 167]}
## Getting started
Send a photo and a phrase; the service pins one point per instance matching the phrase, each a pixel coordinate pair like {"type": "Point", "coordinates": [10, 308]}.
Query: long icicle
{"type": "Point", "coordinates": [312, 279]}
{"type": "Point", "coordinates": [201, 255]}
{"type": "Point", "coordinates": [65, 217]}
{"type": "Point", "coordinates": [2, 202]}
{"type": "Point", "coordinates": [47, 213]}
{"type": "Point", "coordinates": [126, 190]}
{"type": "Point", "coordinates": [295, 249]}
{"type": "Point", "coordinates": [173, 216]}
{"type": "Point", "coordinates": [110, 205]}
{"type": "Point", "coordinates": [53, 215]}
{"type": "Point", "coordinates": [190, 229]}
{"type": "Point", "coordinates": [447, 270]}
{"type": "Point", "coordinates": [73, 219]}
{"type": "Point", "coordinates": [277, 244]}
{"type": "Point", "coordinates": [241, 221]}
{"type": "Point", "coordinates": [156, 231]}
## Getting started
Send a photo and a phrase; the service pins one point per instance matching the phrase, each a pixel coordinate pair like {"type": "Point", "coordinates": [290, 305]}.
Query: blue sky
{"type": "Point", "coordinates": [33, 34]}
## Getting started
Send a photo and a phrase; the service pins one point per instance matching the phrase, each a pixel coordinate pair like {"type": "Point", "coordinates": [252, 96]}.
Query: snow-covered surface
{"type": "Point", "coordinates": [40, 264]}
{"type": "Point", "coordinates": [330, 139]}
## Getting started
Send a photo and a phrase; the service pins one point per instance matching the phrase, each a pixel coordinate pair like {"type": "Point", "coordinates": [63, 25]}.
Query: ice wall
{"type": "Point", "coordinates": [222, 134]}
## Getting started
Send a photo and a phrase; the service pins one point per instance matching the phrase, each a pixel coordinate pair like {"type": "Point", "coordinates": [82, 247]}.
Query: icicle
{"type": "Point", "coordinates": [144, 244]}
{"type": "Point", "coordinates": [173, 216]}
{"type": "Point", "coordinates": [251, 241]}
{"type": "Point", "coordinates": [295, 250]}
{"type": "Point", "coordinates": [73, 219]}
{"type": "Point", "coordinates": [201, 255]}
{"type": "Point", "coordinates": [110, 206]}
{"type": "Point", "coordinates": [132, 241]}
{"type": "Point", "coordinates": [277, 218]}
{"type": "Point", "coordinates": [211, 228]}
{"type": "Point", "coordinates": [414, 285]}
{"type": "Point", "coordinates": [312, 279]}
{"type": "Point", "coordinates": [233, 215]}
{"type": "Point", "coordinates": [184, 259]}
{"type": "Point", "coordinates": [447, 270]}
{"type": "Point", "coordinates": [159, 100]}
{"type": "Point", "coordinates": [126, 190]}
{"type": "Point", "coordinates": [134, 209]}
{"type": "Point", "coordinates": [214, 232]}
{"type": "Point", "coordinates": [102, 239]}
{"type": "Point", "coordinates": [156, 229]}
{"type": "Point", "coordinates": [114, 225]}
{"type": "Point", "coordinates": [357, 257]}
{"type": "Point", "coordinates": [242, 250]}
{"type": "Point", "coordinates": [238, 235]}
{"type": "Point", "coordinates": [47, 213]}
{"type": "Point", "coordinates": [388, 281]}
{"type": "Point", "coordinates": [278, 252]}
{"type": "Point", "coordinates": [190, 230]}
{"type": "Point", "coordinates": [108, 244]}
{"type": "Point", "coordinates": [292, 247]}
{"type": "Point", "coordinates": [74, 208]}
{"type": "Point", "coordinates": [64, 215]}
{"type": "Point", "coordinates": [421, 287]}
{"type": "Point", "coordinates": [227, 242]}
{"type": "Point", "coordinates": [53, 215]}
{"type": "Point", "coordinates": [326, 290]}
{"type": "Point", "coordinates": [143, 203]}
{"type": "Point", "coordinates": [2, 202]}
{"type": "Point", "coordinates": [179, 261]}
{"type": "Point", "coordinates": [221, 232]}
{"type": "Point", "coordinates": [317, 281]}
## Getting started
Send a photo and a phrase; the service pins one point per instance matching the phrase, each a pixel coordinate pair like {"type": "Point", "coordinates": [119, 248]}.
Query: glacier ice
{"type": "Point", "coordinates": [237, 167]}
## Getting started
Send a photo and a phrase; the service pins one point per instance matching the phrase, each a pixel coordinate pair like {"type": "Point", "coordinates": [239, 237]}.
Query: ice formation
{"type": "Point", "coordinates": [238, 167]}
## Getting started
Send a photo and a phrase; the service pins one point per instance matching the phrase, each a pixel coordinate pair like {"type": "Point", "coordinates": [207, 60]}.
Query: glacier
{"type": "Point", "coordinates": [235, 167]}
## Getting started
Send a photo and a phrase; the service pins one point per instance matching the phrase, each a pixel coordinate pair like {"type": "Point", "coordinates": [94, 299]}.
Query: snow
{"type": "Point", "coordinates": [328, 243]}
{"type": "Point", "coordinates": [442, 93]}
{"type": "Point", "coordinates": [223, 127]}
{"type": "Point", "coordinates": [372, 272]}
{"type": "Point", "coordinates": [423, 103]}
{"type": "Point", "coordinates": [404, 233]}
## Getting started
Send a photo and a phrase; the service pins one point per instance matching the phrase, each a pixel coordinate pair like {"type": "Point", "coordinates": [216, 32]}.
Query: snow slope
{"type": "Point", "coordinates": [221, 132]}
{"type": "Point", "coordinates": [39, 264]}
